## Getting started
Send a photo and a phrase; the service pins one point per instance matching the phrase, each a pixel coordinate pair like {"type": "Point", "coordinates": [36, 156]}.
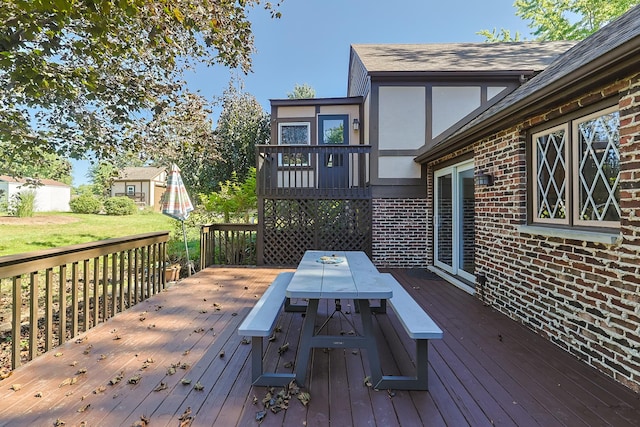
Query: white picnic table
{"type": "Point", "coordinates": [337, 275]}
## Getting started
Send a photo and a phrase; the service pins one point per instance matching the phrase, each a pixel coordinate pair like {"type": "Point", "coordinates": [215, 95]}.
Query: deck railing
{"type": "Point", "coordinates": [313, 171]}
{"type": "Point", "coordinates": [228, 244]}
{"type": "Point", "coordinates": [54, 294]}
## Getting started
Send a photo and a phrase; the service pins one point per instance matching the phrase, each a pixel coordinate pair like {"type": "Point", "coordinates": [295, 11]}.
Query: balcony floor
{"type": "Point", "coordinates": [488, 370]}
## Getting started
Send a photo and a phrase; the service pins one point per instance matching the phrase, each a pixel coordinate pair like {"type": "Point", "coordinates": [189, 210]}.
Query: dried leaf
{"type": "Point", "coordinates": [391, 393]}
{"type": "Point", "coordinates": [198, 330]}
{"type": "Point", "coordinates": [58, 354]}
{"type": "Point", "coordinates": [16, 387]}
{"type": "Point", "coordinates": [185, 381]}
{"type": "Point", "coordinates": [161, 386]}
{"type": "Point", "coordinates": [38, 394]}
{"type": "Point", "coordinates": [272, 337]}
{"type": "Point", "coordinates": [67, 381]}
{"type": "Point", "coordinates": [283, 348]}
{"type": "Point", "coordinates": [245, 340]}
{"type": "Point", "coordinates": [115, 380]}
{"type": "Point", "coordinates": [142, 422]}
{"type": "Point", "coordinates": [260, 415]}
{"type": "Point", "coordinates": [304, 398]}
{"type": "Point", "coordinates": [81, 340]}
{"type": "Point", "coordinates": [221, 354]}
{"type": "Point", "coordinates": [198, 386]}
{"type": "Point", "coordinates": [58, 422]}
{"type": "Point", "coordinates": [84, 408]}
{"type": "Point", "coordinates": [117, 337]}
{"type": "Point", "coordinates": [74, 363]}
{"type": "Point", "coordinates": [186, 418]}
{"type": "Point", "coordinates": [5, 374]}
{"type": "Point", "coordinates": [135, 379]}
{"type": "Point", "coordinates": [255, 399]}
{"type": "Point", "coordinates": [99, 390]}
{"type": "Point", "coordinates": [367, 381]}
{"type": "Point", "coordinates": [171, 370]}
{"type": "Point", "coordinates": [102, 357]}
{"type": "Point", "coordinates": [81, 371]}
{"type": "Point", "coordinates": [288, 365]}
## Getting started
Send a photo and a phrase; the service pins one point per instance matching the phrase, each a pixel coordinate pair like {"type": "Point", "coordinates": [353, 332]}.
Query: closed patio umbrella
{"type": "Point", "coordinates": [176, 204]}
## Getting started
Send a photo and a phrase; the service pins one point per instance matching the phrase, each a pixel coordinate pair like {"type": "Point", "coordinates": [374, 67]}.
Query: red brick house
{"type": "Point", "coordinates": [511, 170]}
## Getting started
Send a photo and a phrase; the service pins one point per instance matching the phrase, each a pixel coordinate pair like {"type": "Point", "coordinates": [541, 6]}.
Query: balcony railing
{"type": "Point", "coordinates": [136, 197]}
{"type": "Point", "coordinates": [228, 244]}
{"type": "Point", "coordinates": [313, 171]}
{"type": "Point", "coordinates": [54, 294]}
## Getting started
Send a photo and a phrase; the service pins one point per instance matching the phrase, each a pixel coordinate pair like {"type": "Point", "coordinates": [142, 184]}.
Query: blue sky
{"type": "Point", "coordinates": [310, 43]}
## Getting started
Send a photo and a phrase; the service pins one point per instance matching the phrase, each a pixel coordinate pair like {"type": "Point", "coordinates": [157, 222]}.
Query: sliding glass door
{"type": "Point", "coordinates": [454, 220]}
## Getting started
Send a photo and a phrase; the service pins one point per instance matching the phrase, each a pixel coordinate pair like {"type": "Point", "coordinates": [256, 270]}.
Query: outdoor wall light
{"type": "Point", "coordinates": [356, 124]}
{"type": "Point", "coordinates": [484, 179]}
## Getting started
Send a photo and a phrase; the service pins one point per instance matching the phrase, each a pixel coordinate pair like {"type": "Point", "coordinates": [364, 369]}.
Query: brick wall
{"type": "Point", "coordinates": [583, 296]}
{"type": "Point", "coordinates": [399, 233]}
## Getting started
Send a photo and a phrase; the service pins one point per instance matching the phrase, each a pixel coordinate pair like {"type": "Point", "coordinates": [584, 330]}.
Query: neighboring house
{"type": "Point", "coordinates": [51, 196]}
{"type": "Point", "coordinates": [145, 185]}
{"type": "Point", "coordinates": [511, 170]}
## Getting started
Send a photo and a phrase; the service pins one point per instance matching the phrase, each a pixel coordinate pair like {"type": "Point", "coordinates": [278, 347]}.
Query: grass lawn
{"type": "Point", "coordinates": [54, 229]}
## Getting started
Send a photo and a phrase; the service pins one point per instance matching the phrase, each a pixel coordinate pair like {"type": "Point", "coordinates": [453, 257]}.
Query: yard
{"type": "Point", "coordinates": [55, 229]}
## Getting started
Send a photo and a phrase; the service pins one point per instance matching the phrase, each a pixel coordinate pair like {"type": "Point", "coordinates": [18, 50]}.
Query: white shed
{"type": "Point", "coordinates": [51, 196]}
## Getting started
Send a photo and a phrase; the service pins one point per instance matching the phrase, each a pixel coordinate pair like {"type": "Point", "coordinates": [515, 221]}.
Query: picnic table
{"type": "Point", "coordinates": [337, 275]}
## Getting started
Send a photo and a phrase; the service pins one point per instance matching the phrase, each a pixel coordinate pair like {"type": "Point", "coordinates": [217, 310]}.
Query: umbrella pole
{"type": "Point", "coordinates": [186, 248]}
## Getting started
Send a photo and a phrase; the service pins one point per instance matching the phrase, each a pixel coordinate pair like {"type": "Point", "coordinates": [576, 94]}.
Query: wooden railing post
{"type": "Point", "coordinates": [16, 320]}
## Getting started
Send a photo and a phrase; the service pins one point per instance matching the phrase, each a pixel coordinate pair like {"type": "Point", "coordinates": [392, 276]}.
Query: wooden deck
{"type": "Point", "coordinates": [486, 371]}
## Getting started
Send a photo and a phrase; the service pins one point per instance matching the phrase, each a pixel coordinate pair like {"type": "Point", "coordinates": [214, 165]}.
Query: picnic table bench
{"type": "Point", "coordinates": [420, 327]}
{"type": "Point", "coordinates": [260, 323]}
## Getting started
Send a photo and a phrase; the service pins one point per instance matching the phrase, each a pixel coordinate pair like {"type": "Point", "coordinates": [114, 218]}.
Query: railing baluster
{"type": "Point", "coordinates": [74, 299]}
{"type": "Point", "coordinates": [96, 293]}
{"type": "Point", "coordinates": [129, 277]}
{"type": "Point", "coordinates": [33, 315]}
{"type": "Point", "coordinates": [121, 282]}
{"type": "Point", "coordinates": [16, 321]}
{"type": "Point", "coordinates": [114, 284]}
{"type": "Point", "coordinates": [105, 287]}
{"type": "Point", "coordinates": [85, 294]}
{"type": "Point", "coordinates": [62, 305]}
{"type": "Point", "coordinates": [48, 310]}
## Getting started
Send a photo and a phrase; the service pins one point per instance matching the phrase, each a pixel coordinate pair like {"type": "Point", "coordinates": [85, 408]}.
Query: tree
{"type": "Point", "coordinates": [44, 166]}
{"type": "Point", "coordinates": [242, 124]}
{"type": "Point", "coordinates": [79, 76]}
{"type": "Point", "coordinates": [563, 19]}
{"type": "Point", "coordinates": [303, 91]}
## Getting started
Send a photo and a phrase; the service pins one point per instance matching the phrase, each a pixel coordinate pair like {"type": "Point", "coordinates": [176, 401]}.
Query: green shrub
{"type": "Point", "coordinates": [23, 204]}
{"type": "Point", "coordinates": [120, 206]}
{"type": "Point", "coordinates": [86, 203]}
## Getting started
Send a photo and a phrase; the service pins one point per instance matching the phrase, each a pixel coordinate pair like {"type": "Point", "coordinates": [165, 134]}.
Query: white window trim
{"type": "Point", "coordinates": [571, 191]}
{"type": "Point", "coordinates": [575, 164]}
{"type": "Point", "coordinates": [536, 200]}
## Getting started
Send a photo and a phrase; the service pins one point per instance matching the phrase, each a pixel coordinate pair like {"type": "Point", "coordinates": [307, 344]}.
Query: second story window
{"type": "Point", "coordinates": [576, 172]}
{"type": "Point", "coordinates": [294, 134]}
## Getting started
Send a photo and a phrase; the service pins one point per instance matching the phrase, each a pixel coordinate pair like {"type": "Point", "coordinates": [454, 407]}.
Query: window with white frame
{"type": "Point", "coordinates": [576, 172]}
{"type": "Point", "coordinates": [297, 133]}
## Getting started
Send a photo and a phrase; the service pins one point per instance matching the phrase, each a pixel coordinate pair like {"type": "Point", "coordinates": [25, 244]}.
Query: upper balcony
{"type": "Point", "coordinates": [313, 171]}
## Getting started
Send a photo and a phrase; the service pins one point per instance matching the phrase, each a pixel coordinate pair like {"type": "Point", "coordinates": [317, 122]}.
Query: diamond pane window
{"type": "Point", "coordinates": [598, 157]}
{"type": "Point", "coordinates": [550, 150]}
{"type": "Point", "coordinates": [576, 172]}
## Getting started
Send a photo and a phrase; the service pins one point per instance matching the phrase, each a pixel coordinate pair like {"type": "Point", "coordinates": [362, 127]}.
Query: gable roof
{"type": "Point", "coordinates": [612, 51]}
{"type": "Point", "coordinates": [143, 173]}
{"type": "Point", "coordinates": [457, 57]}
{"type": "Point", "coordinates": [52, 182]}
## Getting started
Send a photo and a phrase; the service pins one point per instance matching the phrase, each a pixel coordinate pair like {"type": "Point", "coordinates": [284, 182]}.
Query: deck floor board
{"type": "Point", "coordinates": [487, 370]}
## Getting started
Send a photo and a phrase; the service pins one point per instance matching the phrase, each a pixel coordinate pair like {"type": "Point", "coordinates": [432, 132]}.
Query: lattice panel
{"type": "Point", "coordinates": [292, 226]}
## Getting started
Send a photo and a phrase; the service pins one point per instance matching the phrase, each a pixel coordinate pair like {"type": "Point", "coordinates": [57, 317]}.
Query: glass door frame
{"type": "Point", "coordinates": [455, 171]}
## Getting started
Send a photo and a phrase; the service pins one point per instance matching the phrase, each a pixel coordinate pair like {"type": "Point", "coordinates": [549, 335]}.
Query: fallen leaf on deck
{"type": "Point", "coordinates": [161, 386]}
{"type": "Point", "coordinates": [38, 394]}
{"type": "Point", "coordinates": [171, 370]}
{"type": "Point", "coordinates": [198, 330]}
{"type": "Point", "coordinates": [59, 422]}
{"type": "Point", "coordinates": [99, 390]}
{"type": "Point", "coordinates": [245, 340]}
{"type": "Point", "coordinates": [115, 380]}
{"type": "Point", "coordinates": [117, 337]}
{"type": "Point", "coordinates": [221, 354]}
{"type": "Point", "coordinates": [186, 418]}
{"type": "Point", "coordinates": [283, 348]}
{"type": "Point", "coordinates": [142, 422]}
{"type": "Point", "coordinates": [288, 364]}
{"type": "Point", "coordinates": [185, 381]}
{"type": "Point", "coordinates": [198, 386]}
{"type": "Point", "coordinates": [391, 393]}
{"type": "Point", "coordinates": [102, 357]}
{"type": "Point", "coordinates": [260, 415]}
{"type": "Point", "coordinates": [16, 387]}
{"type": "Point", "coordinates": [81, 340]}
{"type": "Point", "coordinates": [67, 381]}
{"type": "Point", "coordinates": [135, 379]}
{"type": "Point", "coordinates": [81, 371]}
{"type": "Point", "coordinates": [84, 408]}
{"type": "Point", "coordinates": [272, 337]}
{"type": "Point", "coordinates": [58, 354]}
{"type": "Point", "coordinates": [304, 398]}
{"type": "Point", "coordinates": [367, 382]}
